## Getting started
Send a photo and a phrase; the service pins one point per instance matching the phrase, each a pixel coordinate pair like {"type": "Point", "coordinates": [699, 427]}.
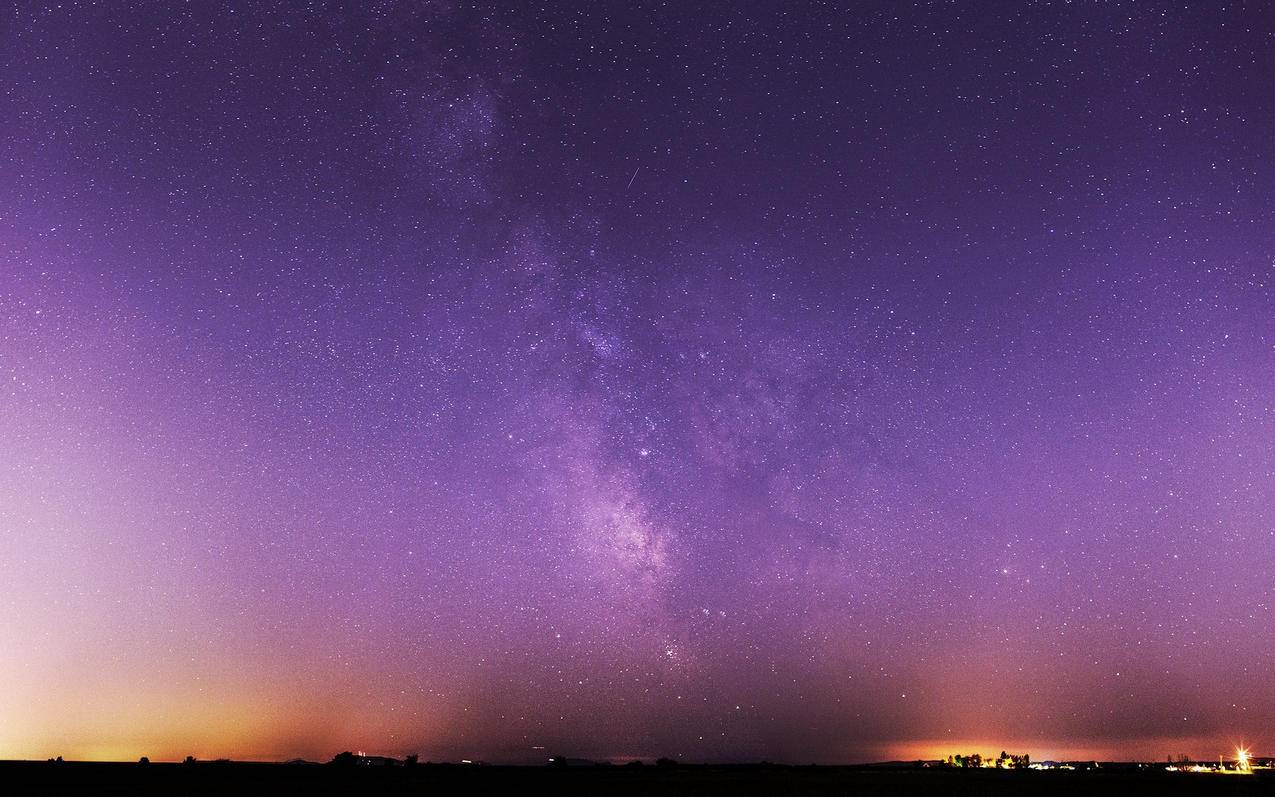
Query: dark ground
{"type": "Point", "coordinates": [239, 779]}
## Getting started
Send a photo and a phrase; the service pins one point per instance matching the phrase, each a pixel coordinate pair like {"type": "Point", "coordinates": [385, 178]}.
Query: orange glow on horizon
{"type": "Point", "coordinates": [1154, 750]}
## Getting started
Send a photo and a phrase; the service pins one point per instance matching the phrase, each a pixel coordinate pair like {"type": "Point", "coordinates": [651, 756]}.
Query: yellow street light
{"type": "Point", "coordinates": [1241, 760]}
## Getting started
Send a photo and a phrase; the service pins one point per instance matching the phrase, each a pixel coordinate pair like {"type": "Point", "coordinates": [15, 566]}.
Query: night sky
{"type": "Point", "coordinates": [723, 381]}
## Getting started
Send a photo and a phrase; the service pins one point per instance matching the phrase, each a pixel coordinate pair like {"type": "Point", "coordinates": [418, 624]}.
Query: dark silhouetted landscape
{"type": "Point", "coordinates": [304, 778]}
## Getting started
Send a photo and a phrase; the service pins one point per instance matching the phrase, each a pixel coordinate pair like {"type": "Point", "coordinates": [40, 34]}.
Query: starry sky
{"type": "Point", "coordinates": [726, 381]}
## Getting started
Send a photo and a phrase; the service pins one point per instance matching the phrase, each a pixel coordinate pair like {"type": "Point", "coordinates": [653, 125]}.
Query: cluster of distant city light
{"type": "Point", "coordinates": [1243, 763]}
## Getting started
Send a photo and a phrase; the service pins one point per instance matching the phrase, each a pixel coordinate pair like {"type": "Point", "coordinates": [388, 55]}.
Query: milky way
{"type": "Point", "coordinates": [721, 381]}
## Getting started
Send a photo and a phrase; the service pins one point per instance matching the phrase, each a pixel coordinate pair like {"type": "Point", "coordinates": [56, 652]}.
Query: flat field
{"type": "Point", "coordinates": [240, 779]}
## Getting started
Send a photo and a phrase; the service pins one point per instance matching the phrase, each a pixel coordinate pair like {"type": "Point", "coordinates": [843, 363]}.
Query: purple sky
{"type": "Point", "coordinates": [724, 381]}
